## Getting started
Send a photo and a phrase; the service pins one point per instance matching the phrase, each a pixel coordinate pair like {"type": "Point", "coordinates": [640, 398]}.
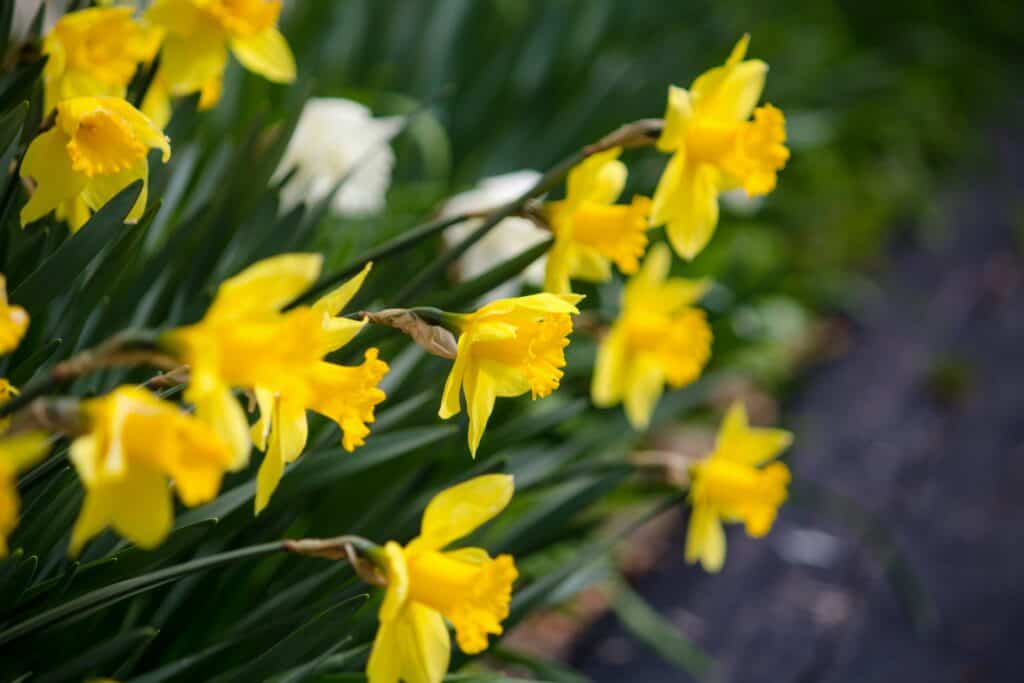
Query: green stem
{"type": "Point", "coordinates": [396, 246]}
{"type": "Point", "coordinates": [123, 590]}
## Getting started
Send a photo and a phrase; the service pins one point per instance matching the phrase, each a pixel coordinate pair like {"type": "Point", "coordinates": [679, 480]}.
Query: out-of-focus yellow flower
{"type": "Point", "coordinates": [134, 443]}
{"type": "Point", "coordinates": [507, 348]}
{"type": "Point", "coordinates": [16, 453]}
{"type": "Point", "coordinates": [715, 147]}
{"type": "Point", "coordinates": [96, 148]}
{"type": "Point", "coordinates": [659, 338]}
{"type": "Point", "coordinates": [245, 341]}
{"type": "Point", "coordinates": [94, 52]}
{"type": "Point", "coordinates": [198, 34]}
{"type": "Point", "coordinates": [13, 321]}
{"type": "Point", "coordinates": [591, 230]}
{"type": "Point", "coordinates": [730, 485]}
{"type": "Point", "coordinates": [427, 585]}
{"type": "Point", "coordinates": [346, 395]}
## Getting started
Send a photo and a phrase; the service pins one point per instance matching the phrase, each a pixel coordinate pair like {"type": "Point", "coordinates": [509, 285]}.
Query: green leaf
{"type": "Point", "coordinates": [10, 125]}
{"type": "Point", "coordinates": [17, 86]}
{"type": "Point", "coordinates": [51, 278]}
{"type": "Point", "coordinates": [15, 577]}
{"type": "Point", "coordinates": [109, 595]}
{"type": "Point", "coordinates": [103, 657]}
{"type": "Point", "coordinates": [641, 620]}
{"type": "Point", "coordinates": [300, 645]}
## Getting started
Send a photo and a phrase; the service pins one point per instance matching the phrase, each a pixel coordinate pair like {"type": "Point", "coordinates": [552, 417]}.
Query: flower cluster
{"type": "Point", "coordinates": [261, 349]}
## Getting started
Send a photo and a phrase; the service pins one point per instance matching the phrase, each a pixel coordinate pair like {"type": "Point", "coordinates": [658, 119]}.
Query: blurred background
{"type": "Point", "coordinates": [872, 304]}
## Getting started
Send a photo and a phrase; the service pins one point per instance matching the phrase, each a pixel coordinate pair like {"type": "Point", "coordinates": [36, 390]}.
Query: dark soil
{"type": "Point", "coordinates": [901, 554]}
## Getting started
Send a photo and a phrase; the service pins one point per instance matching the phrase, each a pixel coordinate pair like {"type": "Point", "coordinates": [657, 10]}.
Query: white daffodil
{"type": "Point", "coordinates": [335, 137]}
{"type": "Point", "coordinates": [507, 239]}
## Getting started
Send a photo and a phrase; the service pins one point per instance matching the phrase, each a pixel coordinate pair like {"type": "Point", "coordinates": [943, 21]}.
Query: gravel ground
{"type": "Point", "coordinates": [916, 573]}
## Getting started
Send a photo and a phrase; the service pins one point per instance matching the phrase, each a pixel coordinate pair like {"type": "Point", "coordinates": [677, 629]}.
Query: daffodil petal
{"type": "Point", "coordinates": [335, 301]}
{"type": "Point", "coordinates": [643, 391]}
{"type": "Point", "coordinates": [739, 442]}
{"type": "Point", "coordinates": [266, 286]}
{"type": "Point", "coordinates": [102, 188]}
{"type": "Point", "coordinates": [694, 210]}
{"type": "Point", "coordinates": [610, 369]}
{"type": "Point", "coordinates": [459, 510]}
{"type": "Point", "coordinates": [47, 161]}
{"type": "Point", "coordinates": [705, 539]}
{"type": "Point", "coordinates": [385, 663]}
{"type": "Point", "coordinates": [480, 396]}
{"type": "Point", "coordinates": [267, 54]}
{"type": "Point", "coordinates": [450, 404]}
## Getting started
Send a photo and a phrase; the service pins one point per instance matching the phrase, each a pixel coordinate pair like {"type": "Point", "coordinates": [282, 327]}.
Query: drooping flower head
{"type": "Point", "coordinates": [716, 147]}
{"type": "Point", "coordinates": [135, 444]}
{"type": "Point", "coordinates": [96, 148]}
{"type": "Point", "coordinates": [245, 341]}
{"type": "Point", "coordinates": [339, 139]}
{"type": "Point", "coordinates": [730, 485]}
{"type": "Point", "coordinates": [94, 51]}
{"type": "Point", "coordinates": [13, 321]}
{"type": "Point", "coordinates": [198, 35]}
{"type": "Point", "coordinates": [17, 452]}
{"type": "Point", "coordinates": [507, 348]}
{"type": "Point", "coordinates": [591, 230]}
{"type": "Point", "coordinates": [659, 338]}
{"type": "Point", "coordinates": [427, 585]}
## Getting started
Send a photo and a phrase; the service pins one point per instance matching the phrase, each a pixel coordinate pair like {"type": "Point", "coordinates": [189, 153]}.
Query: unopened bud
{"type": "Point", "coordinates": [432, 338]}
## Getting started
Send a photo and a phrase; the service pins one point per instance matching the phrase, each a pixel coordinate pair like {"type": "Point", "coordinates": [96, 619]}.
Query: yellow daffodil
{"type": "Point", "coordinates": [346, 395]}
{"type": "Point", "coordinates": [93, 52]}
{"type": "Point", "coordinates": [427, 585]}
{"type": "Point", "coordinates": [716, 147]}
{"type": "Point", "coordinates": [17, 452]}
{"type": "Point", "coordinates": [198, 35]}
{"type": "Point", "coordinates": [591, 230]}
{"type": "Point", "coordinates": [245, 341]}
{"type": "Point", "coordinates": [659, 338]}
{"type": "Point", "coordinates": [730, 485]}
{"type": "Point", "coordinates": [507, 348]}
{"type": "Point", "coordinates": [13, 321]}
{"type": "Point", "coordinates": [96, 148]}
{"type": "Point", "coordinates": [134, 443]}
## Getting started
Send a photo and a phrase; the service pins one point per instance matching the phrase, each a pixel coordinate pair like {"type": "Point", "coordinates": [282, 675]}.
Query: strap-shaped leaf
{"type": "Point", "coordinates": [76, 253]}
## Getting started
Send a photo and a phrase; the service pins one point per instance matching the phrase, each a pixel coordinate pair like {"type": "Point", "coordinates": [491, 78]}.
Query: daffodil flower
{"type": "Point", "coordinates": [246, 341]}
{"type": "Point", "coordinates": [198, 35]}
{"type": "Point", "coordinates": [94, 51]}
{"type": "Point", "coordinates": [592, 231]}
{"type": "Point", "coordinates": [346, 395]}
{"type": "Point", "coordinates": [507, 348]}
{"type": "Point", "coordinates": [731, 485]}
{"type": "Point", "coordinates": [134, 443]}
{"type": "Point", "coordinates": [427, 584]}
{"type": "Point", "coordinates": [17, 452]}
{"type": "Point", "coordinates": [96, 148]}
{"type": "Point", "coordinates": [715, 147]}
{"type": "Point", "coordinates": [659, 338]}
{"type": "Point", "coordinates": [13, 321]}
